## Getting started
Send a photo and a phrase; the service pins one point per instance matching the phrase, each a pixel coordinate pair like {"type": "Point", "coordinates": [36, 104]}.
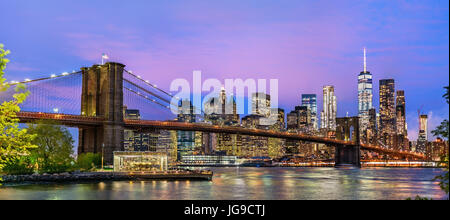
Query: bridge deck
{"type": "Point", "coordinates": [79, 121]}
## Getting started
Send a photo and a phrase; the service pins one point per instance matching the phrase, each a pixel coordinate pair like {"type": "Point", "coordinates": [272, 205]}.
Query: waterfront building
{"type": "Point", "coordinates": [387, 128]}
{"type": "Point", "coordinates": [329, 112]}
{"type": "Point", "coordinates": [254, 146]}
{"type": "Point", "coordinates": [126, 161]}
{"type": "Point", "coordinates": [167, 143]}
{"type": "Point", "coordinates": [210, 160]}
{"type": "Point", "coordinates": [276, 145]}
{"type": "Point", "coordinates": [436, 149]}
{"type": "Point", "coordinates": [365, 96]}
{"type": "Point", "coordinates": [310, 101]}
{"type": "Point", "coordinates": [136, 141]}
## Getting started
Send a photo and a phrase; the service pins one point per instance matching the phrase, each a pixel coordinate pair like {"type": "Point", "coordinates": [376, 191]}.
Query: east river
{"type": "Point", "coordinates": [248, 183]}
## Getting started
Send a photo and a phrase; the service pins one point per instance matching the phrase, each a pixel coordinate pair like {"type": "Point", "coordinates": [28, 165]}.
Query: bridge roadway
{"type": "Point", "coordinates": [80, 121]}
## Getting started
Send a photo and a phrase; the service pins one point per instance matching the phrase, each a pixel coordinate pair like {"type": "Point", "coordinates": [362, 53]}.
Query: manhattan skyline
{"type": "Point", "coordinates": [305, 47]}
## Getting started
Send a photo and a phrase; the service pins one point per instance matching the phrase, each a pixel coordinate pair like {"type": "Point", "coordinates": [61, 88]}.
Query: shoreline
{"type": "Point", "coordinates": [105, 176]}
{"type": "Point", "coordinates": [300, 166]}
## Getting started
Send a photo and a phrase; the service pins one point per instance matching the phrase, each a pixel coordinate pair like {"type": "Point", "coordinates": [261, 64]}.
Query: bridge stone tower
{"type": "Point", "coordinates": [347, 129]}
{"type": "Point", "coordinates": [102, 96]}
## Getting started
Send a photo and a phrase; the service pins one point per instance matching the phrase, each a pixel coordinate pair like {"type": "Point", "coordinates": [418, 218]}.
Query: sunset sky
{"type": "Point", "coordinates": [303, 44]}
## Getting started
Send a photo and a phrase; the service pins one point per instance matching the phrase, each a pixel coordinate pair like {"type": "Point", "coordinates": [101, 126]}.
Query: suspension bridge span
{"type": "Point", "coordinates": [102, 91]}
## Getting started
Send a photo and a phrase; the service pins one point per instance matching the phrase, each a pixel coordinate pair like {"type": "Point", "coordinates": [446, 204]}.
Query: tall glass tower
{"type": "Point", "coordinates": [310, 101]}
{"type": "Point", "coordinates": [365, 95]}
{"type": "Point", "coordinates": [387, 111]}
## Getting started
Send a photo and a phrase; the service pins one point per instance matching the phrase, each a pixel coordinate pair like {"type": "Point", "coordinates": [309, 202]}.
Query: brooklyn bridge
{"type": "Point", "coordinates": [105, 89]}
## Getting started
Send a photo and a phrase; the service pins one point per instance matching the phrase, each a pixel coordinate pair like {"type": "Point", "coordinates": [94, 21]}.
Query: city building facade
{"type": "Point", "coordinates": [329, 112]}
{"type": "Point", "coordinates": [365, 96]}
{"type": "Point", "coordinates": [310, 101]}
{"type": "Point", "coordinates": [387, 128]}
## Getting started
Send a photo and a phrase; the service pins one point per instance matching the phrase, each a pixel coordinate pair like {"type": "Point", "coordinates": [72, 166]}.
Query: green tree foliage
{"type": "Point", "coordinates": [19, 166]}
{"type": "Point", "coordinates": [15, 142]}
{"type": "Point", "coordinates": [443, 131]}
{"type": "Point", "coordinates": [54, 147]}
{"type": "Point", "coordinates": [443, 179]}
{"type": "Point", "coordinates": [419, 198]}
{"type": "Point", "coordinates": [88, 161]}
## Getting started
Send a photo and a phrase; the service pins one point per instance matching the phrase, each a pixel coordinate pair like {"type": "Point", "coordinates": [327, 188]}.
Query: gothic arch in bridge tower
{"type": "Point", "coordinates": [347, 129]}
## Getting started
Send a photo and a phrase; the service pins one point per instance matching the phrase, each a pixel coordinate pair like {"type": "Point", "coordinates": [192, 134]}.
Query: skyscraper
{"type": "Point", "coordinates": [220, 111]}
{"type": "Point", "coordinates": [387, 111]}
{"type": "Point", "coordinates": [135, 141]}
{"type": "Point", "coordinates": [371, 134]}
{"type": "Point", "coordinates": [364, 95]}
{"type": "Point", "coordinates": [310, 101]}
{"type": "Point", "coordinates": [260, 104]}
{"type": "Point", "coordinates": [423, 134]}
{"type": "Point", "coordinates": [328, 114]}
{"type": "Point", "coordinates": [400, 113]}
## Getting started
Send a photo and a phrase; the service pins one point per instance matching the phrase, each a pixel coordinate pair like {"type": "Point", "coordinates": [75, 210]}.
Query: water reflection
{"type": "Point", "coordinates": [253, 183]}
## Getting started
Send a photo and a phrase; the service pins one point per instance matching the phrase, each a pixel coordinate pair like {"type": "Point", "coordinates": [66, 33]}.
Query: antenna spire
{"type": "Point", "coordinates": [365, 61]}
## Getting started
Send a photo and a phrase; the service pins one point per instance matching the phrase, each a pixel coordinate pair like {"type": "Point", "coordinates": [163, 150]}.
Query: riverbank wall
{"type": "Point", "coordinates": [107, 176]}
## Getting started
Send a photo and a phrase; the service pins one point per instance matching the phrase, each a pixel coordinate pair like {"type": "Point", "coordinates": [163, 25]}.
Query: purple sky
{"type": "Point", "coordinates": [304, 44]}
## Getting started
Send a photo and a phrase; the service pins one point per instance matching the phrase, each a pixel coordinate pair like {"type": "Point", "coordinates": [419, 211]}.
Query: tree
{"type": "Point", "coordinates": [15, 142]}
{"type": "Point", "coordinates": [443, 131]}
{"type": "Point", "coordinates": [54, 147]}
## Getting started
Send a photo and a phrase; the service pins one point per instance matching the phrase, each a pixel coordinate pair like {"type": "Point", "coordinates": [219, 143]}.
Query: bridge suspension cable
{"type": "Point", "coordinates": [53, 76]}
{"type": "Point", "coordinates": [147, 91]}
{"type": "Point", "coordinates": [146, 97]}
{"type": "Point", "coordinates": [147, 82]}
{"type": "Point", "coordinates": [54, 94]}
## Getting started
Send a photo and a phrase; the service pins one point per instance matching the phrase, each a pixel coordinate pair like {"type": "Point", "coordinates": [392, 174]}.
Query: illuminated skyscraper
{"type": "Point", "coordinates": [260, 104]}
{"type": "Point", "coordinates": [364, 95]}
{"type": "Point", "coordinates": [299, 119]}
{"type": "Point", "coordinates": [310, 101]}
{"type": "Point", "coordinates": [220, 111]}
{"type": "Point", "coordinates": [423, 134]}
{"type": "Point", "coordinates": [400, 113]}
{"type": "Point", "coordinates": [328, 114]}
{"type": "Point", "coordinates": [387, 111]}
{"type": "Point", "coordinates": [371, 134]}
{"type": "Point", "coordinates": [135, 141]}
